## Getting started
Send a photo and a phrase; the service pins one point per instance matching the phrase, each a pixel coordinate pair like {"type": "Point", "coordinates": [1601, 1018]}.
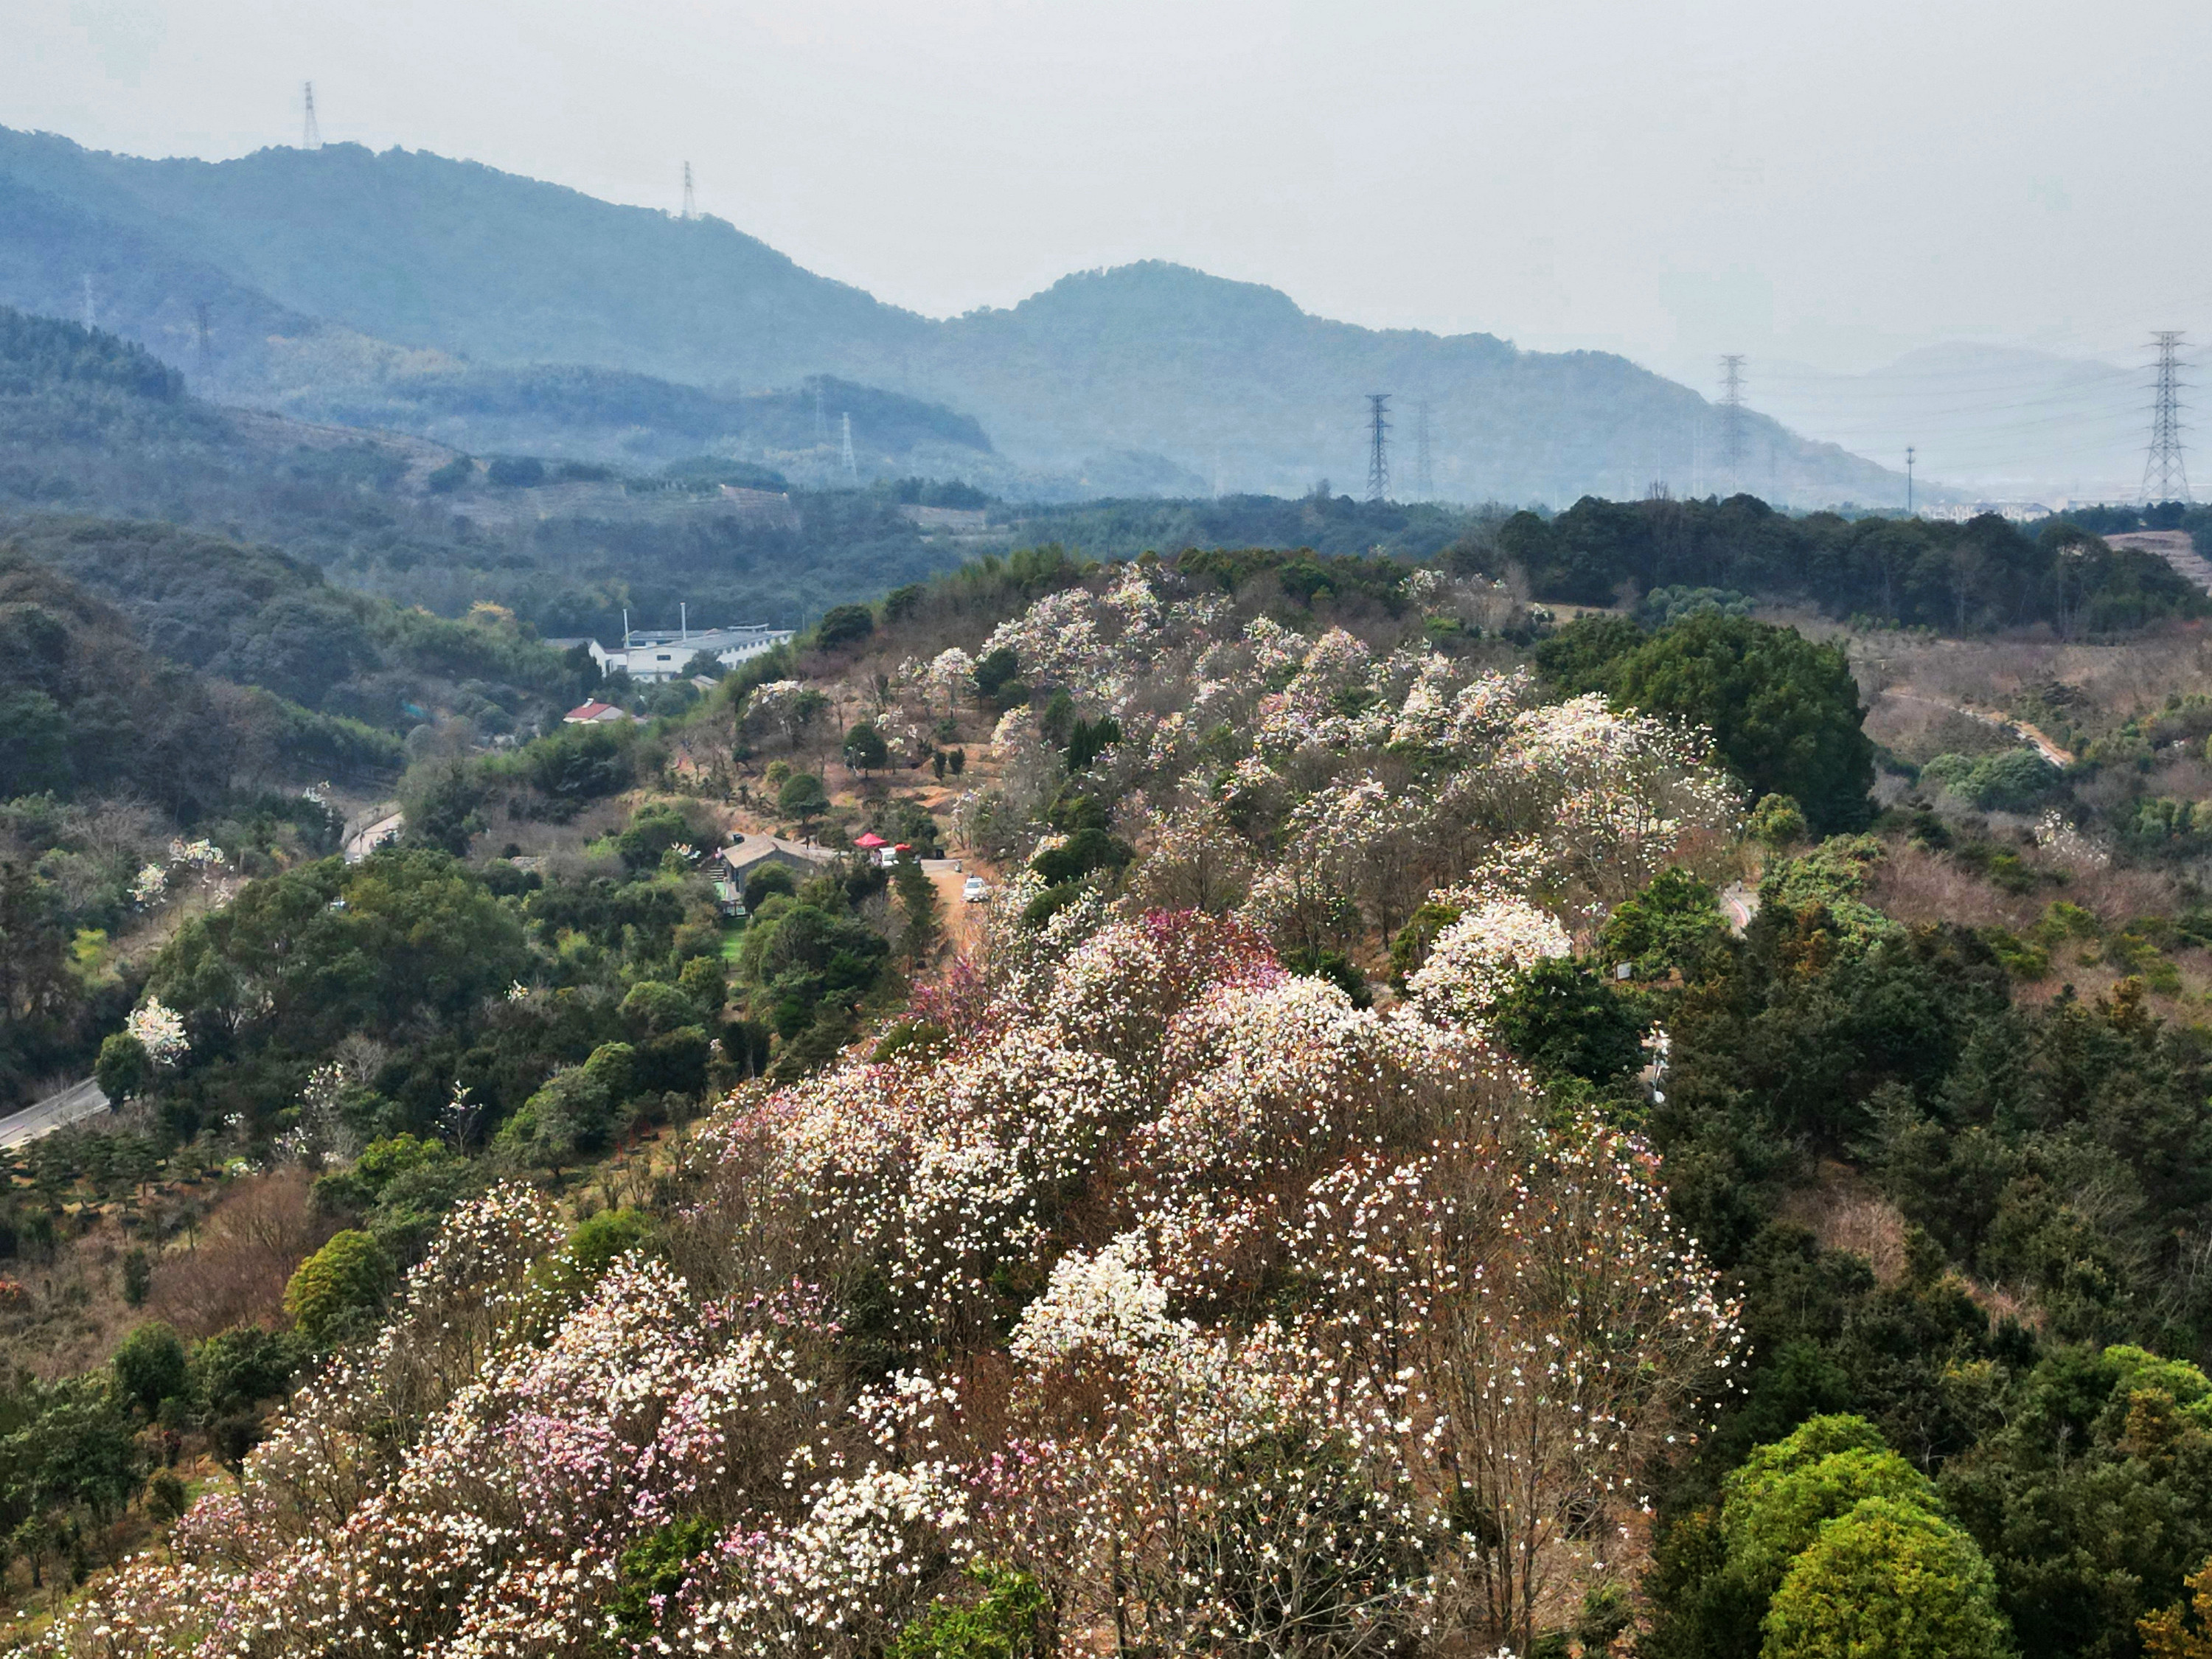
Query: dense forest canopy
{"type": "Point", "coordinates": [36, 353]}
{"type": "Point", "coordinates": [1986, 574]}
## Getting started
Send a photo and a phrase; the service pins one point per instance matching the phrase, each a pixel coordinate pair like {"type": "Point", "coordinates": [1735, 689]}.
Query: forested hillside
{"type": "Point", "coordinates": [256, 617]}
{"type": "Point", "coordinates": [97, 425]}
{"type": "Point", "coordinates": [89, 709]}
{"type": "Point", "coordinates": [618, 1210]}
{"type": "Point", "coordinates": [1443, 1129]}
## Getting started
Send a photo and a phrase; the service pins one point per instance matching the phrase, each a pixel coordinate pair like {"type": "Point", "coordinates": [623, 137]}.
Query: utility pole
{"type": "Point", "coordinates": [1425, 477]}
{"type": "Point", "coordinates": [1732, 415]}
{"type": "Point", "coordinates": [1378, 446]}
{"type": "Point", "coordinates": [2165, 477]}
{"type": "Point", "coordinates": [311, 136]}
{"type": "Point", "coordinates": [690, 201]}
{"type": "Point", "coordinates": [852, 466]}
{"type": "Point", "coordinates": [1910, 452]}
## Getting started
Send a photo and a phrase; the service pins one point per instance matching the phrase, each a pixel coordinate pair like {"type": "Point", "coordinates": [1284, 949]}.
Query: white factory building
{"type": "Point", "coordinates": [655, 655]}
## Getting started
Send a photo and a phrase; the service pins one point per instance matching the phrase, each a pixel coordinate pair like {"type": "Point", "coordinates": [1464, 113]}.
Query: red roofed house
{"type": "Point", "coordinates": [595, 713]}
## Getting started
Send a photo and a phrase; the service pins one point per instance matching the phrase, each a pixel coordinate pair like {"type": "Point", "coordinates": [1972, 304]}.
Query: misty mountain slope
{"type": "Point", "coordinates": [1097, 375]}
{"type": "Point", "coordinates": [1204, 368]}
{"type": "Point", "coordinates": [144, 280]}
{"type": "Point", "coordinates": [574, 411]}
{"type": "Point", "coordinates": [423, 251]}
{"type": "Point", "coordinates": [1996, 420]}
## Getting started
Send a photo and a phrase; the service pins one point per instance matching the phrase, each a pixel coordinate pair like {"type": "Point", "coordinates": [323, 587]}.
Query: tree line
{"type": "Point", "coordinates": [1985, 574]}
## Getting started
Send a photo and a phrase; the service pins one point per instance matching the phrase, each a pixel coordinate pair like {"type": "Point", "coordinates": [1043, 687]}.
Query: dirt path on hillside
{"type": "Point", "coordinates": [2021, 729]}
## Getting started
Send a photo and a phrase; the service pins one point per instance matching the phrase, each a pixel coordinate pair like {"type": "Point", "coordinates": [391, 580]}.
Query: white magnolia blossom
{"type": "Point", "coordinates": [1105, 1301]}
{"type": "Point", "coordinates": [201, 855]}
{"type": "Point", "coordinates": [159, 1029]}
{"type": "Point", "coordinates": [1475, 958]}
{"type": "Point", "coordinates": [1178, 1275]}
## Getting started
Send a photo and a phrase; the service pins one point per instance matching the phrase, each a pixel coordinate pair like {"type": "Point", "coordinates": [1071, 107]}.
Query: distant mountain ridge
{"type": "Point", "coordinates": [1147, 370]}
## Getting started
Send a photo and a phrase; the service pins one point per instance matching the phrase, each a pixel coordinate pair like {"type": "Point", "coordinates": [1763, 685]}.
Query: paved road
{"type": "Point", "coordinates": [1739, 903]}
{"type": "Point", "coordinates": [73, 1105]}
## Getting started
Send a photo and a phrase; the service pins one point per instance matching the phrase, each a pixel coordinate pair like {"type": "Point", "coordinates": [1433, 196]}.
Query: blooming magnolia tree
{"type": "Point", "coordinates": [1475, 958]}
{"type": "Point", "coordinates": [159, 1030]}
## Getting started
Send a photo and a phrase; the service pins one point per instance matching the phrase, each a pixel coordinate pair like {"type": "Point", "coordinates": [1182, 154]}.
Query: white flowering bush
{"type": "Point", "coordinates": [199, 856]}
{"type": "Point", "coordinates": [159, 1030]}
{"type": "Point", "coordinates": [1474, 958]}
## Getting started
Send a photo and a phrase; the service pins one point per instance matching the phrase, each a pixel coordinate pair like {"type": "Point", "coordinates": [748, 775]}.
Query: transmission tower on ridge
{"type": "Point", "coordinates": [1732, 413]}
{"type": "Point", "coordinates": [1378, 446]}
{"type": "Point", "coordinates": [2165, 477]}
{"type": "Point", "coordinates": [821, 420]}
{"type": "Point", "coordinates": [690, 202]}
{"type": "Point", "coordinates": [91, 314]}
{"type": "Point", "coordinates": [207, 352]}
{"type": "Point", "coordinates": [1425, 479]}
{"type": "Point", "coordinates": [852, 466]}
{"type": "Point", "coordinates": [311, 136]}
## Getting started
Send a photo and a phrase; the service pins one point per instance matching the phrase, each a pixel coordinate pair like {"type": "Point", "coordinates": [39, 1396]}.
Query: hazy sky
{"type": "Point", "coordinates": [1831, 183]}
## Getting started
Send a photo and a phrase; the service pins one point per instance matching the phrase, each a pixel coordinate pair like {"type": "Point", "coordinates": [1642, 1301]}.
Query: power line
{"type": "Point", "coordinates": [2165, 477]}
{"type": "Point", "coordinates": [311, 136]}
{"type": "Point", "coordinates": [690, 201]}
{"type": "Point", "coordinates": [1378, 446]}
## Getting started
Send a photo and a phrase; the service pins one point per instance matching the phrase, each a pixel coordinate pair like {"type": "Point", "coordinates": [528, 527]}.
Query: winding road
{"type": "Point", "coordinates": [72, 1105]}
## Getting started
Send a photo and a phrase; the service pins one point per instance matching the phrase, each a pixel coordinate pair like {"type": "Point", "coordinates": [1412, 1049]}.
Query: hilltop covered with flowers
{"type": "Point", "coordinates": [1185, 1301]}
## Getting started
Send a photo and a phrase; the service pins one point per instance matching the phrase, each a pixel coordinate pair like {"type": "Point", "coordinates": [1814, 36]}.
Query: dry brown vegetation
{"type": "Point", "coordinates": [1842, 1209]}
{"type": "Point", "coordinates": [233, 1270]}
{"type": "Point", "coordinates": [2120, 680]}
{"type": "Point", "coordinates": [1922, 887]}
{"type": "Point", "coordinates": [230, 1249]}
